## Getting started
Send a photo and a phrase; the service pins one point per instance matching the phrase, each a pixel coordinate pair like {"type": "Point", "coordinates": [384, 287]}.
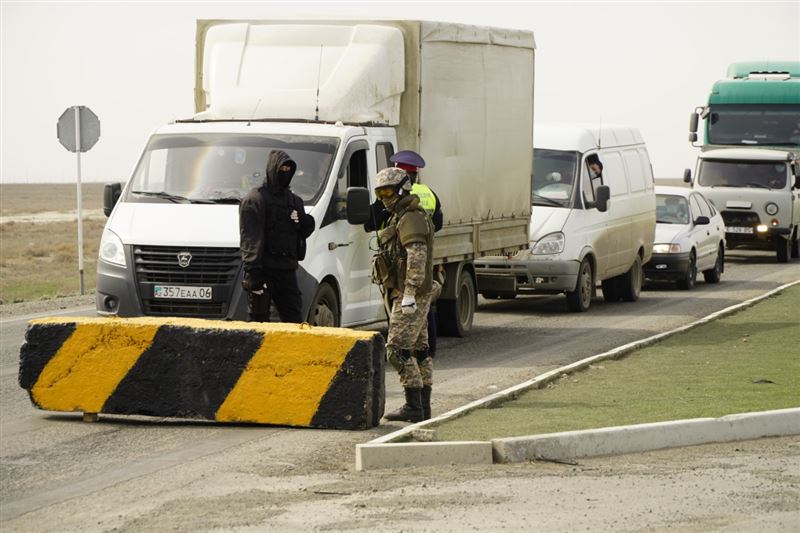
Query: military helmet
{"type": "Point", "coordinates": [408, 157]}
{"type": "Point", "coordinates": [392, 177]}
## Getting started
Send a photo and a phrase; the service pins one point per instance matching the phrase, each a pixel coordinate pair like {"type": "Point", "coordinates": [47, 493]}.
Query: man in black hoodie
{"type": "Point", "coordinates": [273, 227]}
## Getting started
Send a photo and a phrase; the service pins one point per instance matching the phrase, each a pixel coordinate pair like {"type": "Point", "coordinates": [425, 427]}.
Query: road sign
{"type": "Point", "coordinates": [89, 128]}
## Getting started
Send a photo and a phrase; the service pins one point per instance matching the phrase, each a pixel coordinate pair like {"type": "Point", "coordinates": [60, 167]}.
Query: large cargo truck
{"type": "Point", "coordinates": [748, 164]}
{"type": "Point", "coordinates": [340, 97]}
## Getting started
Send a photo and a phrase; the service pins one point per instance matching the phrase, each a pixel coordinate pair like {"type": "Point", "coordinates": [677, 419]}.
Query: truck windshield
{"type": "Point", "coordinates": [758, 174]}
{"type": "Point", "coordinates": [772, 125]}
{"type": "Point", "coordinates": [554, 174]}
{"type": "Point", "coordinates": [211, 168]}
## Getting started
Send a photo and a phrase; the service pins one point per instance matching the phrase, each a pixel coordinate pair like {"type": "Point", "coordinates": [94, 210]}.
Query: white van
{"type": "Point", "coordinates": [584, 228]}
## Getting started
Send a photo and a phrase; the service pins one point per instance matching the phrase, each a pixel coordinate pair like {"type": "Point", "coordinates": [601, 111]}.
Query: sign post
{"type": "Point", "coordinates": [78, 129]}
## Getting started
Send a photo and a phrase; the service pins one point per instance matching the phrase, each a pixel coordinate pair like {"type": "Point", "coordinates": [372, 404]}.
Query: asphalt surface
{"type": "Point", "coordinates": [136, 474]}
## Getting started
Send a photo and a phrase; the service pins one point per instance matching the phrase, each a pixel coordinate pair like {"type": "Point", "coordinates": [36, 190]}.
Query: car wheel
{"type": "Point", "coordinates": [324, 309]}
{"type": "Point", "coordinates": [687, 283]}
{"type": "Point", "coordinates": [713, 275]}
{"type": "Point", "coordinates": [611, 289]}
{"type": "Point", "coordinates": [580, 299]}
{"type": "Point", "coordinates": [631, 282]}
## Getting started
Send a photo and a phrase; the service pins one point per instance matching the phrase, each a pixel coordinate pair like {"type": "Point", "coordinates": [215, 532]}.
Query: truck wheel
{"type": "Point", "coordinates": [783, 248]}
{"type": "Point", "coordinates": [580, 299]}
{"type": "Point", "coordinates": [713, 275]}
{"type": "Point", "coordinates": [455, 316]}
{"type": "Point", "coordinates": [687, 283]}
{"type": "Point", "coordinates": [324, 309]}
{"type": "Point", "coordinates": [631, 282]}
{"type": "Point", "coordinates": [611, 289]}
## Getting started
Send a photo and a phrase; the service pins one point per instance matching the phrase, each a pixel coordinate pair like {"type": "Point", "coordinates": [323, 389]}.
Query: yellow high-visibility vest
{"type": "Point", "coordinates": [427, 200]}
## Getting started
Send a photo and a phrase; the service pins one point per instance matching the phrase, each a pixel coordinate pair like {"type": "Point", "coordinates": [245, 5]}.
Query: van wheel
{"type": "Point", "coordinates": [713, 275]}
{"type": "Point", "coordinates": [455, 316]}
{"type": "Point", "coordinates": [324, 309]}
{"type": "Point", "coordinates": [687, 283]}
{"type": "Point", "coordinates": [611, 289]}
{"type": "Point", "coordinates": [631, 282]}
{"type": "Point", "coordinates": [580, 299]}
{"type": "Point", "coordinates": [783, 248]}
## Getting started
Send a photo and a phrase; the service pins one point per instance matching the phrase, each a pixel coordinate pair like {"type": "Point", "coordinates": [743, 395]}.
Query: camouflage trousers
{"type": "Point", "coordinates": [408, 333]}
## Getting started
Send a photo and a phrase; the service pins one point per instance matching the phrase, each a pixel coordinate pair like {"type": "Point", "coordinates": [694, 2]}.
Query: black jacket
{"type": "Point", "coordinates": [269, 238]}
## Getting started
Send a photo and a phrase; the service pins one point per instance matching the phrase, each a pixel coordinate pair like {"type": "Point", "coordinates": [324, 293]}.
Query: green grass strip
{"type": "Point", "coordinates": [745, 362]}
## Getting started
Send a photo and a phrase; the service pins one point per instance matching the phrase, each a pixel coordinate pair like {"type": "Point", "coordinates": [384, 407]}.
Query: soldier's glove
{"type": "Point", "coordinates": [254, 281]}
{"type": "Point", "coordinates": [409, 304]}
{"type": "Point", "coordinates": [294, 216]}
{"type": "Point", "coordinates": [394, 358]}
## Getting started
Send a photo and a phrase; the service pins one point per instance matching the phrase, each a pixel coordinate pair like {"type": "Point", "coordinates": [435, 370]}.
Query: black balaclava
{"type": "Point", "coordinates": [275, 179]}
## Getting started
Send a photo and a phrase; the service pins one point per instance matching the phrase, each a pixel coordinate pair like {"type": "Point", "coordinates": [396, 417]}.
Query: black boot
{"type": "Point", "coordinates": [426, 402]}
{"type": "Point", "coordinates": [411, 411]}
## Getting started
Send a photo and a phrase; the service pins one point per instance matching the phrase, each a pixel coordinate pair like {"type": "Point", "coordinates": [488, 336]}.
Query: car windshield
{"type": "Point", "coordinates": [671, 209]}
{"type": "Point", "coordinates": [756, 174]}
{"type": "Point", "coordinates": [773, 124]}
{"type": "Point", "coordinates": [554, 174]}
{"type": "Point", "coordinates": [219, 168]}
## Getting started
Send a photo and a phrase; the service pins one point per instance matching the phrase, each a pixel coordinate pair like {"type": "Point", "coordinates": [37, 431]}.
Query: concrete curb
{"type": "Point", "coordinates": [370, 455]}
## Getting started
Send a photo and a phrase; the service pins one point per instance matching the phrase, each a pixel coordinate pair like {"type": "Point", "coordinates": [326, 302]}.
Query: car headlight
{"type": "Point", "coordinates": [111, 249]}
{"type": "Point", "coordinates": [549, 244]}
{"type": "Point", "coordinates": [666, 248]}
{"type": "Point", "coordinates": [771, 208]}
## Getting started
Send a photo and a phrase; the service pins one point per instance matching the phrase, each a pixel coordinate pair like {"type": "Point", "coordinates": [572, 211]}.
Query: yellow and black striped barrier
{"type": "Point", "coordinates": [283, 374]}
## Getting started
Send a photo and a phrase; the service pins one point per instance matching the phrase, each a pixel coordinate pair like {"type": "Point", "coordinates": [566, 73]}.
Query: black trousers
{"type": "Point", "coordinates": [281, 289]}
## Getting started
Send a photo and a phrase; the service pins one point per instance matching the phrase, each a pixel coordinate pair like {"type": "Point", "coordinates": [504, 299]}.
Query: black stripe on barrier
{"type": "Point", "coordinates": [338, 404]}
{"type": "Point", "coordinates": [378, 377]}
{"type": "Point", "coordinates": [206, 366]}
{"type": "Point", "coordinates": [39, 349]}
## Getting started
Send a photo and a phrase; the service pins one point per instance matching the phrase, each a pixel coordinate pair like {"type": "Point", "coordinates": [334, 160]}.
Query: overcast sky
{"type": "Point", "coordinates": [646, 64]}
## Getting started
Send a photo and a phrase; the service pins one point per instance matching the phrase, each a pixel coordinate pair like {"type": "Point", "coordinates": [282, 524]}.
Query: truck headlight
{"type": "Point", "coordinates": [666, 248]}
{"type": "Point", "coordinates": [111, 249]}
{"type": "Point", "coordinates": [771, 209]}
{"type": "Point", "coordinates": [549, 244]}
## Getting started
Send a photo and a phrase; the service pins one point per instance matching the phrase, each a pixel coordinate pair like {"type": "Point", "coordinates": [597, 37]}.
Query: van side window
{"type": "Point", "coordinates": [614, 174]}
{"type": "Point", "coordinates": [586, 186]}
{"type": "Point", "coordinates": [590, 179]}
{"type": "Point", "coordinates": [647, 169]}
{"type": "Point", "coordinates": [635, 170]}
{"type": "Point", "coordinates": [356, 171]}
{"type": "Point", "coordinates": [383, 151]}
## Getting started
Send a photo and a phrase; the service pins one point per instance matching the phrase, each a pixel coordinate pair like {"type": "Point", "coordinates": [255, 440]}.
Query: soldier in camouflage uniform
{"type": "Point", "coordinates": [404, 267]}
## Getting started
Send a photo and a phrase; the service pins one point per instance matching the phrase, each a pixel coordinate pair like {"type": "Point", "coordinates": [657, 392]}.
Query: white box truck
{"type": "Point", "coordinates": [340, 97]}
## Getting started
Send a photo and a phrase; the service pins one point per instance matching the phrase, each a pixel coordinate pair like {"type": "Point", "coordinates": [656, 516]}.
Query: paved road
{"type": "Point", "coordinates": [59, 473]}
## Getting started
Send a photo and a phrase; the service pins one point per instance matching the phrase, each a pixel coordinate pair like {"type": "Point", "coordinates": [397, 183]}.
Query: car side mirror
{"type": "Point", "coordinates": [111, 194]}
{"type": "Point", "coordinates": [357, 205]}
{"type": "Point", "coordinates": [687, 175]}
{"type": "Point", "coordinates": [603, 194]}
{"type": "Point", "coordinates": [702, 220]}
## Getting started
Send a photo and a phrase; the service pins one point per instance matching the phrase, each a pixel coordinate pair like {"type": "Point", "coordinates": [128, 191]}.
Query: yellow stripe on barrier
{"type": "Point", "coordinates": [283, 364]}
{"type": "Point", "coordinates": [89, 366]}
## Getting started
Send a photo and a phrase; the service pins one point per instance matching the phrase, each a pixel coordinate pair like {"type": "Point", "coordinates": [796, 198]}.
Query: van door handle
{"type": "Point", "coordinates": [334, 245]}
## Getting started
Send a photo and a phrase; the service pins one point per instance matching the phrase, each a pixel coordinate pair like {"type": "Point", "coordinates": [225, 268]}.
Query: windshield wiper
{"type": "Point", "coordinates": [171, 197]}
{"type": "Point", "coordinates": [758, 185]}
{"type": "Point", "coordinates": [748, 141]}
{"type": "Point", "coordinates": [546, 199]}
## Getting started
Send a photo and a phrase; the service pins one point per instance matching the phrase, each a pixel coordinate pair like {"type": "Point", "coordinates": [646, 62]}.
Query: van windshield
{"type": "Point", "coordinates": [554, 174]}
{"type": "Point", "coordinates": [757, 174]}
{"type": "Point", "coordinates": [221, 168]}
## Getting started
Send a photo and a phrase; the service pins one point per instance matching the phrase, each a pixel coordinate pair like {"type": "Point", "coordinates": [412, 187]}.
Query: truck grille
{"type": "Point", "coordinates": [742, 219]}
{"type": "Point", "coordinates": [217, 268]}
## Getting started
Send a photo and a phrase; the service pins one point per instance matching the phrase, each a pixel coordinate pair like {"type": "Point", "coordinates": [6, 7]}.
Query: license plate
{"type": "Point", "coordinates": [737, 229]}
{"type": "Point", "coordinates": [180, 292]}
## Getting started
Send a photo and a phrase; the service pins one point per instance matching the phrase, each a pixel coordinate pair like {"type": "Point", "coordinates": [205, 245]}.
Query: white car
{"type": "Point", "coordinates": [690, 237]}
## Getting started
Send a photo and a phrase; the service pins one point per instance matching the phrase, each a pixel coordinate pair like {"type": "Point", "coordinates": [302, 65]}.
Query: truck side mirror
{"type": "Point", "coordinates": [111, 193]}
{"type": "Point", "coordinates": [687, 175]}
{"type": "Point", "coordinates": [702, 220]}
{"type": "Point", "coordinates": [357, 205]}
{"type": "Point", "coordinates": [603, 194]}
{"type": "Point", "coordinates": [694, 119]}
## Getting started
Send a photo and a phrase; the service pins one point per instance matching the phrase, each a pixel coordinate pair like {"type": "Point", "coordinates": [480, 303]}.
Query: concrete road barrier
{"type": "Point", "coordinates": [282, 374]}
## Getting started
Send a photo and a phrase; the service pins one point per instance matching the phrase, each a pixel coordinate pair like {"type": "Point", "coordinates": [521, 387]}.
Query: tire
{"type": "Point", "coordinates": [493, 295]}
{"type": "Point", "coordinates": [455, 316]}
{"type": "Point", "coordinates": [580, 299]}
{"type": "Point", "coordinates": [713, 275]}
{"type": "Point", "coordinates": [783, 249]}
{"type": "Point", "coordinates": [795, 245]}
{"type": "Point", "coordinates": [611, 289]}
{"type": "Point", "coordinates": [324, 310]}
{"type": "Point", "coordinates": [687, 283]}
{"type": "Point", "coordinates": [631, 282]}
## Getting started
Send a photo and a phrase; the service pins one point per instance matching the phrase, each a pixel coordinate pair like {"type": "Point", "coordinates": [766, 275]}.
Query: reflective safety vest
{"type": "Point", "coordinates": [427, 200]}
